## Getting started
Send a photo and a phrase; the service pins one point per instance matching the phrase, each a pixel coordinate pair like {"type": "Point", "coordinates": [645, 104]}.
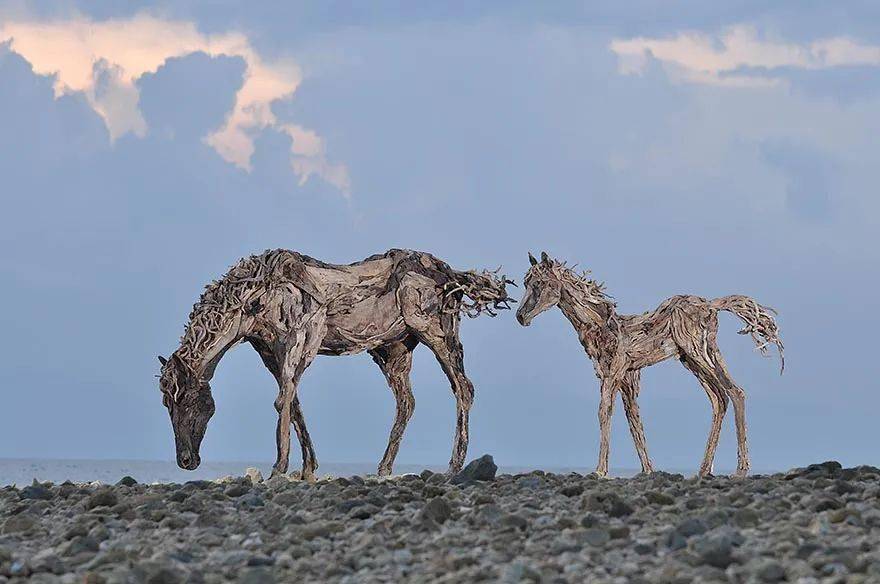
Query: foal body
{"type": "Point", "coordinates": [620, 346]}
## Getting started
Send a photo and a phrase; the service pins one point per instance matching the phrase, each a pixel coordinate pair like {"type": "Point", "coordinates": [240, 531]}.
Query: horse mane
{"type": "Point", "coordinates": [230, 292]}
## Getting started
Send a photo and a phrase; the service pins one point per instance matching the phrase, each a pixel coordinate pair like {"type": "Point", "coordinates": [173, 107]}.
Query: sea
{"type": "Point", "coordinates": [23, 471]}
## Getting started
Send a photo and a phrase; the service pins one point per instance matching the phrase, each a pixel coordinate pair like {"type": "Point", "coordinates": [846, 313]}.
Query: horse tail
{"type": "Point", "coordinates": [759, 322]}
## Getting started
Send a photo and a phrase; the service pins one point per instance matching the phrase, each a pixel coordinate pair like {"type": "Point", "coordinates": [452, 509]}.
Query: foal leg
{"type": "Point", "coordinates": [718, 398]}
{"type": "Point", "coordinates": [395, 361]}
{"type": "Point", "coordinates": [738, 398]}
{"type": "Point", "coordinates": [606, 409]}
{"type": "Point", "coordinates": [630, 393]}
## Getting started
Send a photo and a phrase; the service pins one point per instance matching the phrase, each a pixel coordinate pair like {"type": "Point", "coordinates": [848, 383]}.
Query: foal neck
{"type": "Point", "coordinates": [584, 313]}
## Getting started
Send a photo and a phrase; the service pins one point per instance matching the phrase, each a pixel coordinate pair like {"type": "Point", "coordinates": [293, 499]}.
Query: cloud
{"type": "Point", "coordinates": [103, 60]}
{"type": "Point", "coordinates": [738, 57]}
{"type": "Point", "coordinates": [808, 175]}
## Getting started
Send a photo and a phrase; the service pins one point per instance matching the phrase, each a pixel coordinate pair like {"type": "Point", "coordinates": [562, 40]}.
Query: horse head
{"type": "Point", "coordinates": [486, 290]}
{"type": "Point", "coordinates": [190, 405]}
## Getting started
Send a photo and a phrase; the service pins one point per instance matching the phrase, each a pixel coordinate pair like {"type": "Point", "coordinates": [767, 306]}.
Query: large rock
{"type": "Point", "coordinates": [481, 469]}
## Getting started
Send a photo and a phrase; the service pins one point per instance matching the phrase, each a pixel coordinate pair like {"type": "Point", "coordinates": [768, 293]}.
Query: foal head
{"type": "Point", "coordinates": [190, 405]}
{"type": "Point", "coordinates": [544, 283]}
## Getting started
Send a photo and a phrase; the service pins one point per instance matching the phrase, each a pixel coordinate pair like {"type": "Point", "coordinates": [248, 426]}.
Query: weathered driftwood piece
{"type": "Point", "coordinates": [620, 346]}
{"type": "Point", "coordinates": [291, 307]}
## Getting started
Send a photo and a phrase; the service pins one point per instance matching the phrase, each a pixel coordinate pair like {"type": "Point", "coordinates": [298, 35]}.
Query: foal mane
{"type": "Point", "coordinates": [581, 281]}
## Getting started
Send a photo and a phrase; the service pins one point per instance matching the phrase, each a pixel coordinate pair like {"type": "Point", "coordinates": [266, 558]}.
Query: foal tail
{"type": "Point", "coordinates": [758, 319]}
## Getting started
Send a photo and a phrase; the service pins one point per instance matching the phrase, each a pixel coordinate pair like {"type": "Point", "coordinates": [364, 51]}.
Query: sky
{"type": "Point", "coordinates": [145, 147]}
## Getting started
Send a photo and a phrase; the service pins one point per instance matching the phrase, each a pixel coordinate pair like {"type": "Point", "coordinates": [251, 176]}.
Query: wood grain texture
{"type": "Point", "coordinates": [291, 308]}
{"type": "Point", "coordinates": [683, 327]}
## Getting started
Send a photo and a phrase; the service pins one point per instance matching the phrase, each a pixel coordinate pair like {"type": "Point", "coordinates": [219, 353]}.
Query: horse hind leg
{"type": "Point", "coordinates": [718, 399]}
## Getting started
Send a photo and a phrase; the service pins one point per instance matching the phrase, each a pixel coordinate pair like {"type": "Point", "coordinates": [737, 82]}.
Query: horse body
{"type": "Point", "coordinates": [291, 308]}
{"type": "Point", "coordinates": [620, 346]}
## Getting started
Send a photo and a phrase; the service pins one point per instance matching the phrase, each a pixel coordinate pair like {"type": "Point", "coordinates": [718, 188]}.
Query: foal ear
{"type": "Point", "coordinates": [162, 360]}
{"type": "Point", "coordinates": [532, 259]}
{"type": "Point", "coordinates": [544, 257]}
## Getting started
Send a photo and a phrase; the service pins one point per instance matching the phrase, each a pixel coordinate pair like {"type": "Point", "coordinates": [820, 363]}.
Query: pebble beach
{"type": "Point", "coordinates": [819, 523]}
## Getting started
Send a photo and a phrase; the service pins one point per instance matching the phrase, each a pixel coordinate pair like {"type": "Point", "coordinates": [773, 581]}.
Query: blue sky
{"type": "Point", "coordinates": [144, 149]}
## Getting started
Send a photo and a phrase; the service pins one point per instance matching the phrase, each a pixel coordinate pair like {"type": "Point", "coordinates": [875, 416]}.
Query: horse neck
{"type": "Point", "coordinates": [207, 338]}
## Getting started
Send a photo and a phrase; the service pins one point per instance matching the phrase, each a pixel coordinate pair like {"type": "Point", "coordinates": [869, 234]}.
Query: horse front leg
{"type": "Point", "coordinates": [293, 363]}
{"type": "Point", "coordinates": [283, 405]}
{"type": "Point", "coordinates": [395, 361]}
{"type": "Point", "coordinates": [309, 460]}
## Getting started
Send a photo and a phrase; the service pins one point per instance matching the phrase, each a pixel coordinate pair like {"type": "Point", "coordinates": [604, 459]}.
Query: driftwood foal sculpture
{"type": "Point", "coordinates": [291, 307]}
{"type": "Point", "coordinates": [620, 346]}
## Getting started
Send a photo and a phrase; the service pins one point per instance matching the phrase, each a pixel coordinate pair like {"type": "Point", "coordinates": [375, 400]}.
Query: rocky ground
{"type": "Point", "coordinates": [815, 524]}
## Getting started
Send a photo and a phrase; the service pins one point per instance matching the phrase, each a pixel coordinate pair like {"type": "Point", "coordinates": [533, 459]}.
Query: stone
{"type": "Point", "coordinates": [745, 517]}
{"type": "Point", "coordinates": [770, 570]}
{"type": "Point", "coordinates": [364, 512]}
{"type": "Point", "coordinates": [595, 536]}
{"type": "Point", "coordinates": [18, 524]}
{"type": "Point", "coordinates": [236, 490]}
{"type": "Point", "coordinates": [658, 498]}
{"type": "Point", "coordinates": [80, 544]}
{"type": "Point", "coordinates": [515, 521]}
{"type": "Point", "coordinates": [36, 491]}
{"type": "Point", "coordinates": [620, 508]}
{"type": "Point", "coordinates": [127, 481]}
{"type": "Point", "coordinates": [691, 526]}
{"type": "Point", "coordinates": [46, 561]}
{"type": "Point", "coordinates": [517, 572]}
{"type": "Point", "coordinates": [437, 509]}
{"type": "Point", "coordinates": [102, 498]}
{"type": "Point", "coordinates": [480, 469]}
{"type": "Point", "coordinates": [254, 475]}
{"type": "Point", "coordinates": [715, 550]}
{"type": "Point", "coordinates": [572, 490]}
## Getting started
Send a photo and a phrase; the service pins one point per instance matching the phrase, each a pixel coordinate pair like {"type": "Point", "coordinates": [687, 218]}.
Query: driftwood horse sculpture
{"type": "Point", "coordinates": [620, 346]}
{"type": "Point", "coordinates": [291, 307]}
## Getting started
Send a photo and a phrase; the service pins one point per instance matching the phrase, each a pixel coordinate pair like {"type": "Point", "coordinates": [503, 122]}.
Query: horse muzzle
{"type": "Point", "coordinates": [188, 460]}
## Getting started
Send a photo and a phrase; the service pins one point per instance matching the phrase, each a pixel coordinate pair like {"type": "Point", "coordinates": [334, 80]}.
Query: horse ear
{"type": "Point", "coordinates": [532, 259]}
{"type": "Point", "coordinates": [162, 360]}
{"type": "Point", "coordinates": [544, 257]}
